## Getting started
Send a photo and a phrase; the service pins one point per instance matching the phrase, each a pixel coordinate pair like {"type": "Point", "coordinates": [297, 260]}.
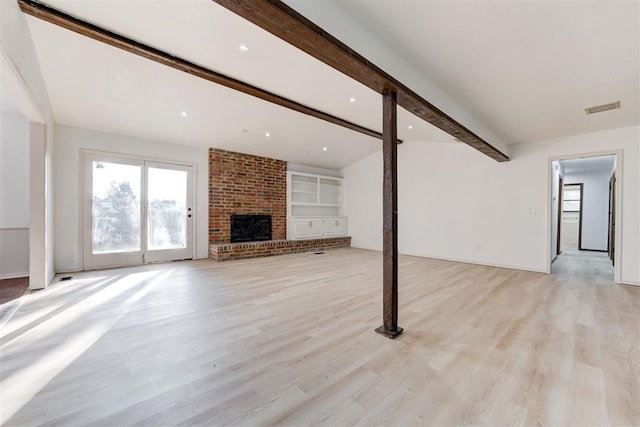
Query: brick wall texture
{"type": "Point", "coordinates": [244, 184]}
{"type": "Point", "coordinates": [231, 251]}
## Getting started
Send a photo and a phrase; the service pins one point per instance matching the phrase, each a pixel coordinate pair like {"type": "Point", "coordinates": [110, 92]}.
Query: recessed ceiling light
{"type": "Point", "coordinates": [601, 108]}
{"type": "Point", "coordinates": [352, 100]}
{"type": "Point", "coordinates": [184, 114]}
{"type": "Point", "coordinates": [244, 48]}
{"type": "Point", "coordinates": [324, 148]}
{"type": "Point", "coordinates": [410, 127]}
{"type": "Point", "coordinates": [267, 134]}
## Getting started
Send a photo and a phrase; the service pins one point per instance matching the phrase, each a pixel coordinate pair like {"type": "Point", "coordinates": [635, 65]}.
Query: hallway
{"type": "Point", "coordinates": [572, 262]}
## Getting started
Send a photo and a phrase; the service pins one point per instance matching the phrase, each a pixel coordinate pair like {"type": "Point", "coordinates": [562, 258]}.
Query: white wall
{"type": "Point", "coordinates": [23, 83]}
{"type": "Point", "coordinates": [455, 203]}
{"type": "Point", "coordinates": [68, 184]}
{"type": "Point", "coordinates": [595, 207]}
{"type": "Point", "coordinates": [14, 196]}
{"type": "Point", "coordinates": [14, 171]}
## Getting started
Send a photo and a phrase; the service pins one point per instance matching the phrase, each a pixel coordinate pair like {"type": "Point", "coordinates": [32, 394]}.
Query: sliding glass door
{"type": "Point", "coordinates": [135, 211]}
{"type": "Point", "coordinates": [169, 214]}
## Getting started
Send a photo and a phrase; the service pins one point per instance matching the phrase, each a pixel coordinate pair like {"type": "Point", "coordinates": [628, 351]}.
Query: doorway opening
{"type": "Point", "coordinates": [25, 183]}
{"type": "Point", "coordinates": [135, 211]}
{"type": "Point", "coordinates": [585, 191]}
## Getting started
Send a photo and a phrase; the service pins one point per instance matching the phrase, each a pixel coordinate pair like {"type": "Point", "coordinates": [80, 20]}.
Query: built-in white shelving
{"type": "Point", "coordinates": [314, 206]}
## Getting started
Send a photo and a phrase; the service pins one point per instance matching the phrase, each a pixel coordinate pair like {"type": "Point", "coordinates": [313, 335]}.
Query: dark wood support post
{"type": "Point", "coordinates": [390, 326]}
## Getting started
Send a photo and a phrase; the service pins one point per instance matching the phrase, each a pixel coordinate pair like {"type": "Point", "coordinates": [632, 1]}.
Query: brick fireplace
{"type": "Point", "coordinates": [243, 184]}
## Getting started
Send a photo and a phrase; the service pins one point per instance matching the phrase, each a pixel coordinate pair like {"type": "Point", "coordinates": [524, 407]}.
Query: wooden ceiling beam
{"type": "Point", "coordinates": [64, 20]}
{"type": "Point", "coordinates": [286, 23]}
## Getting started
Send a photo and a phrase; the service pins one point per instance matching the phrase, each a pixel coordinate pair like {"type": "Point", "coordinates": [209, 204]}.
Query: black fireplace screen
{"type": "Point", "coordinates": [250, 228]}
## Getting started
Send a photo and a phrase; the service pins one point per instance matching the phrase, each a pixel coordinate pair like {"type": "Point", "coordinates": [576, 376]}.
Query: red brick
{"type": "Point", "coordinates": [236, 186]}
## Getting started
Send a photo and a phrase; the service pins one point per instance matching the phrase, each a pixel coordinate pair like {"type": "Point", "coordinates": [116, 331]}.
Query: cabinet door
{"type": "Point", "coordinates": [335, 227]}
{"type": "Point", "coordinates": [305, 228]}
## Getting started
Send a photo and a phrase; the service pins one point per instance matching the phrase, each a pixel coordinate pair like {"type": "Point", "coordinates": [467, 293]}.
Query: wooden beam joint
{"type": "Point", "coordinates": [289, 25]}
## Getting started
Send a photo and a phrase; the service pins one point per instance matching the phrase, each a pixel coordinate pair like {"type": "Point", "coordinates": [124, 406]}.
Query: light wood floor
{"type": "Point", "coordinates": [289, 340]}
{"type": "Point", "coordinates": [10, 291]}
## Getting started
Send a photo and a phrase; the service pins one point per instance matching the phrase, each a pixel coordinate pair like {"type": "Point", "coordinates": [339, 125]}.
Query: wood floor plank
{"type": "Point", "coordinates": [289, 340]}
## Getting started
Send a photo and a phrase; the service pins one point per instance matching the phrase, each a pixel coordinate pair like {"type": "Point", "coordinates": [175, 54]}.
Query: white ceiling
{"type": "Point", "coordinates": [527, 69]}
{"type": "Point", "coordinates": [588, 164]}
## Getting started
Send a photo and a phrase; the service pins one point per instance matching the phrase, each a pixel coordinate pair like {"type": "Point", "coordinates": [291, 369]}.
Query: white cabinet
{"type": "Point", "coordinates": [335, 226]}
{"type": "Point", "coordinates": [314, 206]}
{"type": "Point", "coordinates": [307, 228]}
{"type": "Point", "coordinates": [313, 228]}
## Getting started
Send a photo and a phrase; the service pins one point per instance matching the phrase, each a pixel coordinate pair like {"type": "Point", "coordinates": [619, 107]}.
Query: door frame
{"type": "Point", "coordinates": [156, 255]}
{"type": "Point", "coordinates": [611, 228]}
{"type": "Point", "coordinates": [619, 204]}
{"type": "Point", "coordinates": [559, 215]}
{"type": "Point", "coordinates": [581, 186]}
{"type": "Point", "coordinates": [132, 157]}
{"type": "Point", "coordinates": [116, 259]}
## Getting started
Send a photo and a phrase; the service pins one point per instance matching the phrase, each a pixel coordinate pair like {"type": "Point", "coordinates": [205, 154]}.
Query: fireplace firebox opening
{"type": "Point", "coordinates": [250, 228]}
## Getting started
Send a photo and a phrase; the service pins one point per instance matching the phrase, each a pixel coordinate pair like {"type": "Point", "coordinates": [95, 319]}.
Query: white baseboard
{"type": "Point", "coordinates": [629, 282]}
{"type": "Point", "coordinates": [464, 261]}
{"type": "Point", "coordinates": [65, 271]}
{"type": "Point", "coordinates": [14, 275]}
{"type": "Point", "coordinates": [485, 264]}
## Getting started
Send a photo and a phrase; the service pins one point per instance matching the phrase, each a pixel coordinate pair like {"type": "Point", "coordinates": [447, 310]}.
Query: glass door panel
{"type": "Point", "coordinates": [115, 208]}
{"type": "Point", "coordinates": [169, 214]}
{"type": "Point", "coordinates": [113, 211]}
{"type": "Point", "coordinates": [167, 209]}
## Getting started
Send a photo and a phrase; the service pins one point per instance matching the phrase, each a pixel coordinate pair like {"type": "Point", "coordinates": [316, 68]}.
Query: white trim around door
{"type": "Point", "coordinates": [135, 211]}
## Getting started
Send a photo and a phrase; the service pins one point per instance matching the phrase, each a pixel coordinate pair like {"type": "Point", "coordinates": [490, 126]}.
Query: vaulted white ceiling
{"type": "Point", "coordinates": [527, 70]}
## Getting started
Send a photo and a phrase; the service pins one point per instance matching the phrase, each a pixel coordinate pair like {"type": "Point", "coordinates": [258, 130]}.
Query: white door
{"type": "Point", "coordinates": [169, 214]}
{"type": "Point", "coordinates": [135, 212]}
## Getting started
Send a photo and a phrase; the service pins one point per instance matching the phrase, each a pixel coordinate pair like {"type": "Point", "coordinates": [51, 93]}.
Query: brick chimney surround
{"type": "Point", "coordinates": [244, 184]}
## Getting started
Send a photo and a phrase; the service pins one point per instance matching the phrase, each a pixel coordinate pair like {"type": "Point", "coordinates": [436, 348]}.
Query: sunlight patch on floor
{"type": "Point", "coordinates": [22, 385]}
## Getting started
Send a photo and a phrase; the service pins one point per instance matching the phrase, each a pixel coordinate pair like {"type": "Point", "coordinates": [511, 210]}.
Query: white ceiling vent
{"type": "Point", "coordinates": [601, 108]}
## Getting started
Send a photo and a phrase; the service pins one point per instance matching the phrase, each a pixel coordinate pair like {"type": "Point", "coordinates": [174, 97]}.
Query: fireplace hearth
{"type": "Point", "coordinates": [250, 228]}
